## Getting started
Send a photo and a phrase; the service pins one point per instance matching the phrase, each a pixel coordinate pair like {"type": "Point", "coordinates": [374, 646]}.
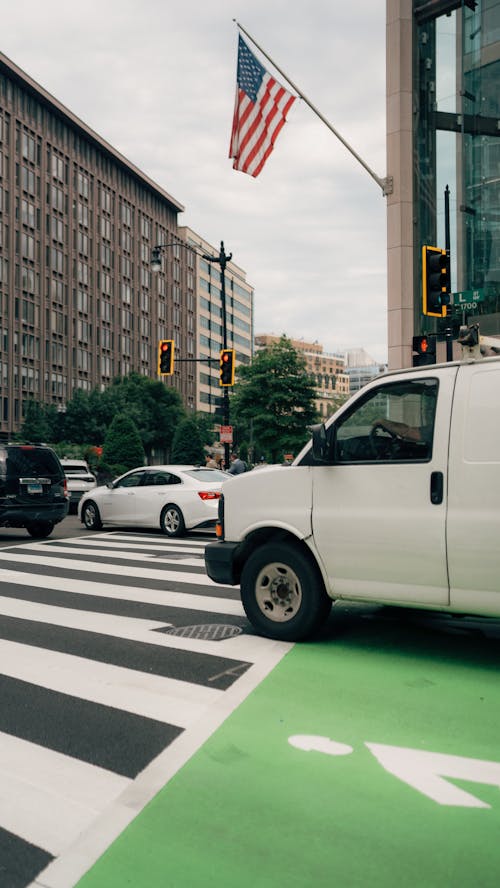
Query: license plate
{"type": "Point", "coordinates": [35, 488]}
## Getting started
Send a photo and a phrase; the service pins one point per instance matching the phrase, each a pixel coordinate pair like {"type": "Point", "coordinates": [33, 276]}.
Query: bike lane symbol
{"type": "Point", "coordinates": [424, 771]}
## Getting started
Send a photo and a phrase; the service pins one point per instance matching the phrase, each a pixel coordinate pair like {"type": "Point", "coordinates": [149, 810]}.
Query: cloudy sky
{"type": "Point", "coordinates": [156, 79]}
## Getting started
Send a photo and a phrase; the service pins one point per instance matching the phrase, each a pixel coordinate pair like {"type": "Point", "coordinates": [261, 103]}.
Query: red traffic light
{"type": "Point", "coordinates": [226, 363]}
{"type": "Point", "coordinates": [424, 350]}
{"type": "Point", "coordinates": [166, 357]}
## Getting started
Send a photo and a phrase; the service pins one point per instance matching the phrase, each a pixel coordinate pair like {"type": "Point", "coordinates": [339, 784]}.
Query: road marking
{"type": "Point", "coordinates": [312, 743]}
{"type": "Point", "coordinates": [425, 771]}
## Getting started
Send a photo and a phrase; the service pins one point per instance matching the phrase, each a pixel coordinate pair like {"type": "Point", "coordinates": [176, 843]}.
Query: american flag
{"type": "Point", "coordinates": [260, 111]}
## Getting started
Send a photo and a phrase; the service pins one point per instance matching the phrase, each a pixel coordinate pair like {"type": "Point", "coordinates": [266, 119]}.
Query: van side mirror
{"type": "Point", "coordinates": [319, 443]}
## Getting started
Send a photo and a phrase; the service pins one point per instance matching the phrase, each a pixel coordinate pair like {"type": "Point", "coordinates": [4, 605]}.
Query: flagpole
{"type": "Point", "coordinates": [385, 184]}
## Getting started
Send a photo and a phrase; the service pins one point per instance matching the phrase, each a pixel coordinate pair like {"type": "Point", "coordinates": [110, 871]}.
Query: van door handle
{"type": "Point", "coordinates": [437, 487]}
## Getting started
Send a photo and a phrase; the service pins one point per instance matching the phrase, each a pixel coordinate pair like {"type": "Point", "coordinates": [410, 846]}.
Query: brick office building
{"type": "Point", "coordinates": [78, 302]}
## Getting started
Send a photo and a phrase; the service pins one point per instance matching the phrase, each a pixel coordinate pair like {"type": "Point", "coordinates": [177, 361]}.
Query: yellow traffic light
{"type": "Point", "coordinates": [166, 357]}
{"type": "Point", "coordinates": [226, 374]}
{"type": "Point", "coordinates": [435, 282]}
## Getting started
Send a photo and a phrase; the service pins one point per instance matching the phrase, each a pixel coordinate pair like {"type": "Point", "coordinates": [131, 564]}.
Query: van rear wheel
{"type": "Point", "coordinates": [283, 593]}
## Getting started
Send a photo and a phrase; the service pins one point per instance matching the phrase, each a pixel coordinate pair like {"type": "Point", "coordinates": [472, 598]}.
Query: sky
{"type": "Point", "coordinates": [156, 79]}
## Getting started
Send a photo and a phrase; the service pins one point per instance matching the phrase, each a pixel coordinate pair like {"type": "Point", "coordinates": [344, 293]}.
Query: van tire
{"type": "Point", "coordinates": [283, 593]}
{"type": "Point", "coordinates": [40, 529]}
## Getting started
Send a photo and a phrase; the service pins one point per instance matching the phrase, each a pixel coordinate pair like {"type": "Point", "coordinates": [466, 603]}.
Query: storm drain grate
{"type": "Point", "coordinates": [207, 632]}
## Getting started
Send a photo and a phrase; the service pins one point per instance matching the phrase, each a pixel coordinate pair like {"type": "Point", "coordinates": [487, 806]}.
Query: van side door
{"type": "Point", "coordinates": [474, 496]}
{"type": "Point", "coordinates": [379, 506]}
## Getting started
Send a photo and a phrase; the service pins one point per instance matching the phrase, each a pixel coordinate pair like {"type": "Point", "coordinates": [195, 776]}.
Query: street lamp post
{"type": "Point", "coordinates": [222, 259]}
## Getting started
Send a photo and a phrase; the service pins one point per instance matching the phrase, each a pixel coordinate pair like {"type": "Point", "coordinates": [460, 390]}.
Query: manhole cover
{"type": "Point", "coordinates": [208, 632]}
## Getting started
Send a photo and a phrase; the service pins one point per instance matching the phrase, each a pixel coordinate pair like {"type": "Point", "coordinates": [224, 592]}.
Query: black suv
{"type": "Point", "coordinates": [33, 491]}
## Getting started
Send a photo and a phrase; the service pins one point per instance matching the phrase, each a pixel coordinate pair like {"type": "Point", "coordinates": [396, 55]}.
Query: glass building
{"type": "Point", "coordinates": [443, 122]}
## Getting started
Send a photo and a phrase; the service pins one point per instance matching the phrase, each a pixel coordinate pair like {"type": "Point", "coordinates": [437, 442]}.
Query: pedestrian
{"type": "Point", "coordinates": [237, 465]}
{"type": "Point", "coordinates": [210, 462]}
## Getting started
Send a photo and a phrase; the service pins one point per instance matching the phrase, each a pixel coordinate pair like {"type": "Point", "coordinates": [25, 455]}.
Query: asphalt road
{"type": "Point", "coordinates": [72, 527]}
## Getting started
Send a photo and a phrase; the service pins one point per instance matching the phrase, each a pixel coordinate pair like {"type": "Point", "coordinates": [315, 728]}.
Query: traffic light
{"type": "Point", "coordinates": [226, 375]}
{"type": "Point", "coordinates": [424, 350]}
{"type": "Point", "coordinates": [166, 357]}
{"type": "Point", "coordinates": [435, 282]}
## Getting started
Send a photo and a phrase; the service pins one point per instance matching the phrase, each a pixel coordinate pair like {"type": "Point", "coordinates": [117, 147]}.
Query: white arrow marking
{"type": "Point", "coordinates": [315, 743]}
{"type": "Point", "coordinates": [426, 772]}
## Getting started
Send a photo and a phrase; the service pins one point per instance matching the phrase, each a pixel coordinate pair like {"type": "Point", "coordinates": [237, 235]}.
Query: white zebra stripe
{"type": "Point", "coordinates": [48, 798]}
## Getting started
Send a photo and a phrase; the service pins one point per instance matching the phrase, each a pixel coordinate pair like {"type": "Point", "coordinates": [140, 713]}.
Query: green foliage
{"type": "Point", "coordinates": [123, 447]}
{"type": "Point", "coordinates": [205, 423]}
{"type": "Point", "coordinates": [187, 445]}
{"type": "Point", "coordinates": [155, 408]}
{"type": "Point", "coordinates": [276, 397]}
{"type": "Point", "coordinates": [36, 425]}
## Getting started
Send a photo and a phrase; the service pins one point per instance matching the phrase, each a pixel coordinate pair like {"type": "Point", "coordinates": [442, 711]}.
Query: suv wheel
{"type": "Point", "coordinates": [40, 529]}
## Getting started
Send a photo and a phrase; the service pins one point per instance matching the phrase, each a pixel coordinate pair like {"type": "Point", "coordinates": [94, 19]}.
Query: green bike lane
{"type": "Point", "coordinates": [324, 774]}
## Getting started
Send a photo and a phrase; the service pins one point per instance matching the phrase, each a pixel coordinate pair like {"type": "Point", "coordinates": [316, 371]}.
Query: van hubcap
{"type": "Point", "coordinates": [278, 592]}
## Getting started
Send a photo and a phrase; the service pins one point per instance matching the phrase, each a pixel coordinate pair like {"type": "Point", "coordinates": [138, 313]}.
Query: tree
{"type": "Point", "coordinates": [155, 409]}
{"type": "Point", "coordinates": [79, 419]}
{"type": "Point", "coordinates": [187, 446]}
{"type": "Point", "coordinates": [36, 425]}
{"type": "Point", "coordinates": [276, 396]}
{"type": "Point", "coordinates": [123, 448]}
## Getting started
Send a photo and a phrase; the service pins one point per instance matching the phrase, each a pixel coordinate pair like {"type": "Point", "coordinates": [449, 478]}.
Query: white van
{"type": "Point", "coordinates": [396, 500]}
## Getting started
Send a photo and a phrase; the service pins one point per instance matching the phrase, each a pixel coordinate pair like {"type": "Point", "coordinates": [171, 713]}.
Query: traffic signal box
{"type": "Point", "coordinates": [226, 374]}
{"type": "Point", "coordinates": [435, 282]}
{"type": "Point", "coordinates": [424, 350]}
{"type": "Point", "coordinates": [166, 357]}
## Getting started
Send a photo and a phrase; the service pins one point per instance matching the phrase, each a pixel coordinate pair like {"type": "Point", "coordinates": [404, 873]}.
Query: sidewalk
{"type": "Point", "coordinates": [251, 810]}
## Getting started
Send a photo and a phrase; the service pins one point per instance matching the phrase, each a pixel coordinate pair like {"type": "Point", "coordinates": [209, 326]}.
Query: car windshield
{"type": "Point", "coordinates": [211, 476]}
{"type": "Point", "coordinates": [73, 468]}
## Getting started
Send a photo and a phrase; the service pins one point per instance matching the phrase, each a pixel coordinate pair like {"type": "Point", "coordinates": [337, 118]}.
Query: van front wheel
{"type": "Point", "coordinates": [283, 593]}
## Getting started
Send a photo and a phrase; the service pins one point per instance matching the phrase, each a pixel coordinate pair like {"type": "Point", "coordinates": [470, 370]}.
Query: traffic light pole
{"type": "Point", "coordinates": [222, 259]}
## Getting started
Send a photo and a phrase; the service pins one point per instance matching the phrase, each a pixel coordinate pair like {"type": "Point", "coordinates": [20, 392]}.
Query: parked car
{"type": "Point", "coordinates": [79, 480]}
{"type": "Point", "coordinates": [33, 492]}
{"type": "Point", "coordinates": [173, 498]}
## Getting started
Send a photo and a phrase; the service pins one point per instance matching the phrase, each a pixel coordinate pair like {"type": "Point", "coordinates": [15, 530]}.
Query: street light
{"type": "Point", "coordinates": [222, 259]}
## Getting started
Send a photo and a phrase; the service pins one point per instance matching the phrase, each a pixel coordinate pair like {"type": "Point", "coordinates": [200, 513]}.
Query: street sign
{"type": "Point", "coordinates": [467, 297]}
{"type": "Point", "coordinates": [226, 434]}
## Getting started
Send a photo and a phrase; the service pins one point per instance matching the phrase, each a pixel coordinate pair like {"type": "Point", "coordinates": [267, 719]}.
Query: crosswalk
{"type": "Point", "coordinates": [118, 658]}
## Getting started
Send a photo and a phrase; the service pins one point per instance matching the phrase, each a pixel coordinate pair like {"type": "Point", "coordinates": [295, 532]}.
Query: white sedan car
{"type": "Point", "coordinates": [173, 498]}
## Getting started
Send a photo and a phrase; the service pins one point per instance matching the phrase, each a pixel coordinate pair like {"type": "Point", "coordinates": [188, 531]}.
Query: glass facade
{"type": "Point", "coordinates": [457, 144]}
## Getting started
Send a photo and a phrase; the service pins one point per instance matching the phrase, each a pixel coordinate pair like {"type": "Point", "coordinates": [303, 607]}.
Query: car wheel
{"type": "Point", "coordinates": [40, 529]}
{"type": "Point", "coordinates": [283, 593]}
{"type": "Point", "coordinates": [172, 521]}
{"type": "Point", "coordinates": [91, 517]}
